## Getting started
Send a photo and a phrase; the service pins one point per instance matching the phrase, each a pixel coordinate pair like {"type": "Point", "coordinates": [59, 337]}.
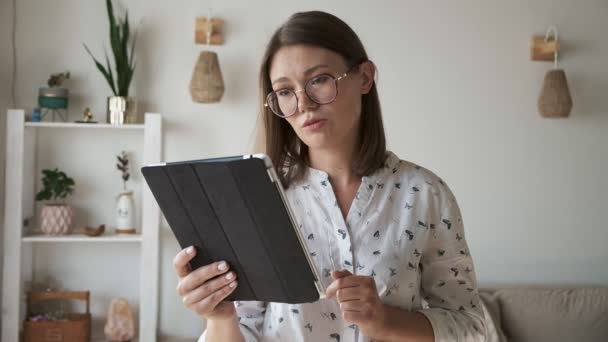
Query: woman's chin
{"type": "Point", "coordinates": [317, 141]}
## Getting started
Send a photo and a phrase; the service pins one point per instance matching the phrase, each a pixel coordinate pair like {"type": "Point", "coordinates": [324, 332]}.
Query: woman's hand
{"type": "Point", "coordinates": [203, 289]}
{"type": "Point", "coordinates": [359, 301]}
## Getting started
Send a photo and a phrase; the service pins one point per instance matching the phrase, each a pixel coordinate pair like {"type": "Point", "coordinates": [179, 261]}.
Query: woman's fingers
{"type": "Point", "coordinates": [350, 293]}
{"type": "Point", "coordinates": [181, 260]}
{"type": "Point", "coordinates": [208, 288]}
{"type": "Point", "coordinates": [202, 290]}
{"type": "Point", "coordinates": [340, 274]}
{"type": "Point", "coordinates": [356, 317]}
{"type": "Point", "coordinates": [343, 282]}
{"type": "Point", "coordinates": [210, 302]}
{"type": "Point", "coordinates": [199, 276]}
{"type": "Point", "coordinates": [353, 305]}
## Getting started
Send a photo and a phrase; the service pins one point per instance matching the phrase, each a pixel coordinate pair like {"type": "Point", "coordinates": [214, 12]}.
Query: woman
{"type": "Point", "coordinates": [386, 233]}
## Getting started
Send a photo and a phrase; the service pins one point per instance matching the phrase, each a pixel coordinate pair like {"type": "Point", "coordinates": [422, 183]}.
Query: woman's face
{"type": "Point", "coordinates": [329, 125]}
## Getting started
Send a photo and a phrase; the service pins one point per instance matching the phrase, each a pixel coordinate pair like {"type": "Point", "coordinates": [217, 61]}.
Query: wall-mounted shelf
{"type": "Point", "coordinates": [81, 125]}
{"type": "Point", "coordinates": [83, 238]}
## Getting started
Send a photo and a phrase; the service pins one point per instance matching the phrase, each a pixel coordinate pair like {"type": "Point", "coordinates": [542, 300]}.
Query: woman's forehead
{"type": "Point", "coordinates": [296, 61]}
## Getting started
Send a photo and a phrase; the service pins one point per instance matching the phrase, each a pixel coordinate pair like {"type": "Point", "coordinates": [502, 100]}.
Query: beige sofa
{"type": "Point", "coordinates": [537, 314]}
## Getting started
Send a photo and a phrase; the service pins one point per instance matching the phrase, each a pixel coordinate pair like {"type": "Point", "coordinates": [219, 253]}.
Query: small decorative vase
{"type": "Point", "coordinates": [125, 213]}
{"type": "Point", "coordinates": [56, 219]}
{"type": "Point", "coordinates": [122, 110]}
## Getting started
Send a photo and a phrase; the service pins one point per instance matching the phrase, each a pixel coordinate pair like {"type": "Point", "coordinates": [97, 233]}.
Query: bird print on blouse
{"type": "Point", "coordinates": [405, 230]}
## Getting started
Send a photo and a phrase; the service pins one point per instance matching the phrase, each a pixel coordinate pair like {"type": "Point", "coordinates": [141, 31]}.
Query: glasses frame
{"type": "Point", "coordinates": [295, 92]}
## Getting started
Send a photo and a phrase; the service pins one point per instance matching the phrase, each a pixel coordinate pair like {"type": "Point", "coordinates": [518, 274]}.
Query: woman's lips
{"type": "Point", "coordinates": [314, 125]}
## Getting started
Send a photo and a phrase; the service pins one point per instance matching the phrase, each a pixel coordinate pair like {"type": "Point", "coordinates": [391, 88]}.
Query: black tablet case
{"type": "Point", "coordinates": [229, 209]}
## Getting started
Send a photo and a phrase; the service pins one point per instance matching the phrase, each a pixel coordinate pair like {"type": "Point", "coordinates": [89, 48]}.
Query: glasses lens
{"type": "Point", "coordinates": [282, 102]}
{"type": "Point", "coordinates": [321, 89]}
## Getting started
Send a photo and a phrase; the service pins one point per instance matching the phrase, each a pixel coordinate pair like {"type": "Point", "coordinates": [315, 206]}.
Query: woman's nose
{"type": "Point", "coordinates": [304, 102]}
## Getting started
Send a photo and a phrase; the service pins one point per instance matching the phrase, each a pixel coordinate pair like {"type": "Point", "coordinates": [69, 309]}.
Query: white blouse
{"type": "Point", "coordinates": [404, 228]}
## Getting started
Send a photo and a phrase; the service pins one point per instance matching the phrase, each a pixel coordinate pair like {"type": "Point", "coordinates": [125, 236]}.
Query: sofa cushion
{"type": "Point", "coordinates": [491, 310]}
{"type": "Point", "coordinates": [554, 314]}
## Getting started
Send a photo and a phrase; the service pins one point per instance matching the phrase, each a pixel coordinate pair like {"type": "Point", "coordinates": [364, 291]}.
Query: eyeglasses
{"type": "Point", "coordinates": [321, 89]}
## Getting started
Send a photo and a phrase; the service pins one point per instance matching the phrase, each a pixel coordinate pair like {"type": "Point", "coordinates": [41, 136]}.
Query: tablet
{"type": "Point", "coordinates": [235, 209]}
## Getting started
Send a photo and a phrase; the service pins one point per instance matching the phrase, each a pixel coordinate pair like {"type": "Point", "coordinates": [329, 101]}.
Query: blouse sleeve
{"type": "Point", "coordinates": [251, 320]}
{"type": "Point", "coordinates": [448, 281]}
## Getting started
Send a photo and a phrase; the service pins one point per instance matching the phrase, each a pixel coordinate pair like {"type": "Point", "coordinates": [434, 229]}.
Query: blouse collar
{"type": "Point", "coordinates": [390, 164]}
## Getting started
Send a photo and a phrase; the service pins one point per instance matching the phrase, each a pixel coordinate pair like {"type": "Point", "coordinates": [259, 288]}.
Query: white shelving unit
{"type": "Point", "coordinates": [18, 246]}
{"type": "Point", "coordinates": [83, 238]}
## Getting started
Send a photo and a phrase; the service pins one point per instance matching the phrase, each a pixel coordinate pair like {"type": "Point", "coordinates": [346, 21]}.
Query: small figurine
{"type": "Point", "coordinates": [88, 116]}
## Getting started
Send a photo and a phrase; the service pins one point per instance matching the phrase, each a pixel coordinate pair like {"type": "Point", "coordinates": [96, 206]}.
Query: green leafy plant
{"type": "Point", "coordinates": [57, 185]}
{"type": "Point", "coordinates": [56, 80]}
{"type": "Point", "coordinates": [123, 59]}
{"type": "Point", "coordinates": [123, 167]}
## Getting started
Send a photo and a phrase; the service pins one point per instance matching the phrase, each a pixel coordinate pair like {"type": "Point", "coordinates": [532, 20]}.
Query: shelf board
{"type": "Point", "coordinates": [160, 339]}
{"type": "Point", "coordinates": [106, 237]}
{"type": "Point", "coordinates": [103, 339]}
{"type": "Point", "coordinates": [82, 125]}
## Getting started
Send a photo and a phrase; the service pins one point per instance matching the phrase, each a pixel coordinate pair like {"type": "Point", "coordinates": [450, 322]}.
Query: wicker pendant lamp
{"type": "Point", "coordinates": [555, 100]}
{"type": "Point", "coordinates": [207, 83]}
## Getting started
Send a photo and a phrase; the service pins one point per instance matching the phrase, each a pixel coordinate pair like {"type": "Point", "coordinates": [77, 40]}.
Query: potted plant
{"type": "Point", "coordinates": [54, 98]}
{"type": "Point", "coordinates": [57, 217]}
{"type": "Point", "coordinates": [121, 107]}
{"type": "Point", "coordinates": [125, 207]}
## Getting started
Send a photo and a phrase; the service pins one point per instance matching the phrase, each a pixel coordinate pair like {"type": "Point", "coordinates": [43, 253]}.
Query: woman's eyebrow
{"type": "Point", "coordinates": [306, 73]}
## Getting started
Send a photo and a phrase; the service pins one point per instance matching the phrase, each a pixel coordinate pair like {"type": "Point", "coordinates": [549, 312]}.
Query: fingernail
{"type": "Point", "coordinates": [190, 250]}
{"type": "Point", "coordinates": [222, 266]}
{"type": "Point", "coordinates": [233, 284]}
{"type": "Point", "coordinates": [229, 275]}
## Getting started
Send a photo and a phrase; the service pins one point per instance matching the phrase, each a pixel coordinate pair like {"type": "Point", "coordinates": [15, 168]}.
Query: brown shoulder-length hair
{"type": "Point", "coordinates": [287, 152]}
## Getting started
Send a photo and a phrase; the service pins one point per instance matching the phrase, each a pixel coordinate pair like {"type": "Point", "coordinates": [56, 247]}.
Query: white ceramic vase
{"type": "Point", "coordinates": [122, 110]}
{"type": "Point", "coordinates": [125, 213]}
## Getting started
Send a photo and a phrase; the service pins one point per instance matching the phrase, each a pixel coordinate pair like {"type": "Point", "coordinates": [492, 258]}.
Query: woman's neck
{"type": "Point", "coordinates": [337, 163]}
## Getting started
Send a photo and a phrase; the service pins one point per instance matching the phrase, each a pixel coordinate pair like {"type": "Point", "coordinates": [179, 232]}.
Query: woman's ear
{"type": "Point", "coordinates": [368, 74]}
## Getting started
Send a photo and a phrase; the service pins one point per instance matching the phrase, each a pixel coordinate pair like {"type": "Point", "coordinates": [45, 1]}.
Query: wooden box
{"type": "Point", "coordinates": [76, 328]}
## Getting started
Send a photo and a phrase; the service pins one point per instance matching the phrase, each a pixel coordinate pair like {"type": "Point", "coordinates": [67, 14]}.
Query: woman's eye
{"type": "Point", "coordinates": [283, 92]}
{"type": "Point", "coordinates": [320, 80]}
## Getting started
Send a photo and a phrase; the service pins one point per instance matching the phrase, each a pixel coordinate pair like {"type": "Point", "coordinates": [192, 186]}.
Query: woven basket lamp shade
{"type": "Point", "coordinates": [207, 84]}
{"type": "Point", "coordinates": [555, 100]}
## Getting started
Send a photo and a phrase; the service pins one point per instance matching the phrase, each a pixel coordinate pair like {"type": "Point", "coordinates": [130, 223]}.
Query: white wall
{"type": "Point", "coordinates": [458, 93]}
{"type": "Point", "coordinates": [5, 75]}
